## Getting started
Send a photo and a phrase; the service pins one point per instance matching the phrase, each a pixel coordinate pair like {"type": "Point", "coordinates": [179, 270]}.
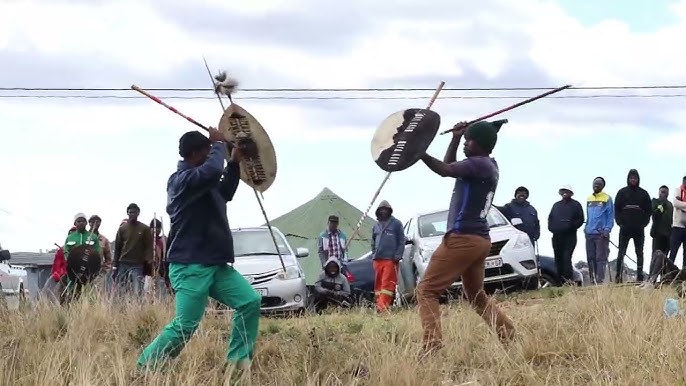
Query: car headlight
{"type": "Point", "coordinates": [426, 254]}
{"type": "Point", "coordinates": [291, 273]}
{"type": "Point", "coordinates": [522, 242]}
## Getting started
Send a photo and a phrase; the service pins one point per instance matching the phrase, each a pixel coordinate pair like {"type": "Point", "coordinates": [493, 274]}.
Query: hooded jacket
{"type": "Point", "coordinates": [388, 237]}
{"type": "Point", "coordinates": [632, 205]}
{"type": "Point", "coordinates": [332, 285]}
{"type": "Point", "coordinates": [527, 213]}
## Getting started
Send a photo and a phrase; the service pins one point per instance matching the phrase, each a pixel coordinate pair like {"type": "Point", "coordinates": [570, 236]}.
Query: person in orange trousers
{"type": "Point", "coordinates": [388, 245]}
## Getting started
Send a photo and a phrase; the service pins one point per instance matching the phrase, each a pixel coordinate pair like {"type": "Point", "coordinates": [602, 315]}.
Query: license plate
{"type": "Point", "coordinates": [495, 263]}
{"type": "Point", "coordinates": [261, 291]}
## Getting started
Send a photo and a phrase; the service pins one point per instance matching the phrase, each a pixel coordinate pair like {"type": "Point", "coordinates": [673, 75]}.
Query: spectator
{"type": "Point", "coordinates": [94, 221]}
{"type": "Point", "coordinates": [132, 251]}
{"type": "Point", "coordinates": [663, 212]}
{"type": "Point", "coordinates": [520, 208]}
{"type": "Point", "coordinates": [678, 236]}
{"type": "Point", "coordinates": [388, 245]}
{"type": "Point", "coordinates": [565, 218]}
{"type": "Point", "coordinates": [601, 219]}
{"type": "Point", "coordinates": [632, 213]}
{"type": "Point", "coordinates": [332, 288]}
{"type": "Point", "coordinates": [331, 242]}
{"type": "Point", "coordinates": [160, 265]}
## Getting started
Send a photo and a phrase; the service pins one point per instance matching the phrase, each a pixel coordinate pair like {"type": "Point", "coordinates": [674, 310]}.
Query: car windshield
{"type": "Point", "coordinates": [435, 224]}
{"type": "Point", "coordinates": [257, 242]}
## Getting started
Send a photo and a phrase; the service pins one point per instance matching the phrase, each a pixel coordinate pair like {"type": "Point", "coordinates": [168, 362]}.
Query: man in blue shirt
{"type": "Point", "coordinates": [201, 251]}
{"type": "Point", "coordinates": [467, 242]}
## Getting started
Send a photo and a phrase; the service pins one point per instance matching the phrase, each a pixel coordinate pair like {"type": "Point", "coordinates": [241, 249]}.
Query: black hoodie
{"type": "Point", "coordinates": [632, 205]}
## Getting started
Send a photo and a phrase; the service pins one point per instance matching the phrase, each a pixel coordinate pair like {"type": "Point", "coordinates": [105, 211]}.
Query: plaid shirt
{"type": "Point", "coordinates": [334, 246]}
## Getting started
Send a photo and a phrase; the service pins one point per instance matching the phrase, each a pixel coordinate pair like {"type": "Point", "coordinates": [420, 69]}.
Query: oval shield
{"type": "Point", "coordinates": [403, 137]}
{"type": "Point", "coordinates": [238, 125]}
{"type": "Point", "coordinates": [83, 264]}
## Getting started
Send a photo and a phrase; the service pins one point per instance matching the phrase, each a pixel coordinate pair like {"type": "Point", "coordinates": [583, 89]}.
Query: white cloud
{"type": "Point", "coordinates": [128, 148]}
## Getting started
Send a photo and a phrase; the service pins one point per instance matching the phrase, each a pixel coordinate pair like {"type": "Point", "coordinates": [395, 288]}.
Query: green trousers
{"type": "Point", "coordinates": [193, 284]}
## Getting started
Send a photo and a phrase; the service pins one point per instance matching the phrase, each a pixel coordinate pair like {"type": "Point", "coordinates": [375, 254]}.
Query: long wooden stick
{"type": "Point", "coordinates": [259, 201]}
{"type": "Point", "coordinates": [514, 106]}
{"type": "Point", "coordinates": [388, 175]}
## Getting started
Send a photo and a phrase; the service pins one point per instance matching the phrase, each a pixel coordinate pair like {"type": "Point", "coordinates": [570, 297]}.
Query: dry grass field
{"type": "Point", "coordinates": [594, 336]}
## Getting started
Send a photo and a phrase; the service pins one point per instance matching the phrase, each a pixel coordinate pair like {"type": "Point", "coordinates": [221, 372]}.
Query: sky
{"type": "Point", "coordinates": [61, 156]}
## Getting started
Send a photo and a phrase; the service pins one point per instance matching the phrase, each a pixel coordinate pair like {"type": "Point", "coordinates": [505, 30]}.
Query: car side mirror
{"type": "Point", "coordinates": [409, 242]}
{"type": "Point", "coordinates": [516, 221]}
{"type": "Point", "coordinates": [5, 255]}
{"type": "Point", "coordinates": [302, 252]}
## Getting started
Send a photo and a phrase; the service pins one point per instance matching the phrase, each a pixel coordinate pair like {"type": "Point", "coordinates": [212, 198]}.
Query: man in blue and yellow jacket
{"type": "Point", "coordinates": [600, 215]}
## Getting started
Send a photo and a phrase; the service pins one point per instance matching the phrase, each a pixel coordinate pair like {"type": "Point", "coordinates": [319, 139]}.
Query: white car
{"type": "Point", "coordinates": [257, 260]}
{"type": "Point", "coordinates": [12, 277]}
{"type": "Point", "coordinates": [512, 259]}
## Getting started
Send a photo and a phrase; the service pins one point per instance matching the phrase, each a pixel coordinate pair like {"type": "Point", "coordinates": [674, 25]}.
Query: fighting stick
{"type": "Point", "coordinates": [514, 106]}
{"type": "Point", "coordinates": [376, 195]}
{"type": "Point", "coordinates": [259, 201]}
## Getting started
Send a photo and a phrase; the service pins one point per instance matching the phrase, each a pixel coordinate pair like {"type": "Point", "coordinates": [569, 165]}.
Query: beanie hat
{"type": "Point", "coordinates": [521, 189]}
{"type": "Point", "coordinates": [484, 133]}
{"type": "Point", "coordinates": [601, 180]}
{"type": "Point", "coordinates": [78, 216]}
{"type": "Point", "coordinates": [192, 141]}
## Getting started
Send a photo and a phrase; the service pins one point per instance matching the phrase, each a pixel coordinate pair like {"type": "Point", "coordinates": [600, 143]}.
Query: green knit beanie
{"type": "Point", "coordinates": [484, 133]}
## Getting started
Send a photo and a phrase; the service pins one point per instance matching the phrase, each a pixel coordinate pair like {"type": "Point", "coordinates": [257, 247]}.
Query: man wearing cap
{"type": "Point", "coordinates": [133, 250]}
{"type": "Point", "coordinates": [632, 213]}
{"type": "Point", "coordinates": [200, 251]}
{"type": "Point", "coordinates": [94, 222]}
{"type": "Point", "coordinates": [520, 208]}
{"type": "Point", "coordinates": [601, 219]}
{"type": "Point", "coordinates": [79, 243]}
{"type": "Point", "coordinates": [565, 218]}
{"type": "Point", "coordinates": [466, 244]}
{"type": "Point", "coordinates": [331, 242]}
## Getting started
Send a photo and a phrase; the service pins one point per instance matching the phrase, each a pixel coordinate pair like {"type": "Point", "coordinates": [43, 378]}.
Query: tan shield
{"type": "Point", "coordinates": [237, 124]}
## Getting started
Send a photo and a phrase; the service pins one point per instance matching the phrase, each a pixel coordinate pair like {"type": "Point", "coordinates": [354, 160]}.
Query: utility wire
{"type": "Point", "coordinates": [181, 89]}
{"type": "Point", "coordinates": [620, 96]}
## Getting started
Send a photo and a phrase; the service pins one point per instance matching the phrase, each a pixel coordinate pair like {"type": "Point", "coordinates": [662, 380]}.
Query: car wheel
{"type": "Point", "coordinates": [545, 281]}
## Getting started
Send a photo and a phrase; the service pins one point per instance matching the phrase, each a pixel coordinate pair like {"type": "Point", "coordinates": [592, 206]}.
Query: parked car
{"type": "Point", "coordinates": [257, 260]}
{"type": "Point", "coordinates": [511, 261]}
{"type": "Point", "coordinates": [550, 277]}
{"type": "Point", "coordinates": [360, 275]}
{"type": "Point", "coordinates": [12, 277]}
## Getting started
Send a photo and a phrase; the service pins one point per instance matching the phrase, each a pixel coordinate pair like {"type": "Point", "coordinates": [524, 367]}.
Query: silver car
{"type": "Point", "coordinates": [511, 260]}
{"type": "Point", "coordinates": [257, 260]}
{"type": "Point", "coordinates": [12, 277]}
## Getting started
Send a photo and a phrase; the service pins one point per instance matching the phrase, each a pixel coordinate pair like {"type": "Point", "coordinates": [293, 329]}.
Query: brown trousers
{"type": "Point", "coordinates": [458, 256]}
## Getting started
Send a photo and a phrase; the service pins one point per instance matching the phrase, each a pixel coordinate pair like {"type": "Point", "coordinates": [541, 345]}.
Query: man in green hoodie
{"type": "Point", "coordinates": [83, 255]}
{"type": "Point", "coordinates": [661, 230]}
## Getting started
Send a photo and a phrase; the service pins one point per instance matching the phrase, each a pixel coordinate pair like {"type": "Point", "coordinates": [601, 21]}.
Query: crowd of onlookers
{"type": "Point", "coordinates": [133, 263]}
{"type": "Point", "coordinates": [632, 209]}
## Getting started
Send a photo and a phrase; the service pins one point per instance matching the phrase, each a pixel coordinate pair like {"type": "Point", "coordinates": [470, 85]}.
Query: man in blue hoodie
{"type": "Point", "coordinates": [200, 251]}
{"type": "Point", "coordinates": [520, 208]}
{"type": "Point", "coordinates": [601, 218]}
{"type": "Point", "coordinates": [388, 245]}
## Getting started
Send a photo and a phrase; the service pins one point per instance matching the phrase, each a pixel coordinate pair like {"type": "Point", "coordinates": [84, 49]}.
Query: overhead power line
{"type": "Point", "coordinates": [591, 96]}
{"type": "Point", "coordinates": [181, 89]}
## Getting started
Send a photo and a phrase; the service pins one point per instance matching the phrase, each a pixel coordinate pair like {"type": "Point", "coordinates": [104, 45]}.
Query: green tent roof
{"type": "Point", "coordinates": [303, 225]}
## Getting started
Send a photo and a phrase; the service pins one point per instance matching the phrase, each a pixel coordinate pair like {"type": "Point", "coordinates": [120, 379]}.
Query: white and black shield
{"type": "Point", "coordinates": [403, 137]}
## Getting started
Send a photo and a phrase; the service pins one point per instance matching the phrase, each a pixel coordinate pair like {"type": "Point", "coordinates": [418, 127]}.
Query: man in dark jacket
{"type": "Point", "coordinates": [388, 245]}
{"type": "Point", "coordinates": [661, 230]}
{"type": "Point", "coordinates": [520, 208]}
{"type": "Point", "coordinates": [632, 214]}
{"type": "Point", "coordinates": [201, 248]}
{"type": "Point", "coordinates": [565, 218]}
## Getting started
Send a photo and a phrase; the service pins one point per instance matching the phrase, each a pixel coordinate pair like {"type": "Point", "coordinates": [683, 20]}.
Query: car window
{"type": "Point", "coordinates": [435, 224]}
{"type": "Point", "coordinates": [258, 241]}
{"type": "Point", "coordinates": [409, 228]}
